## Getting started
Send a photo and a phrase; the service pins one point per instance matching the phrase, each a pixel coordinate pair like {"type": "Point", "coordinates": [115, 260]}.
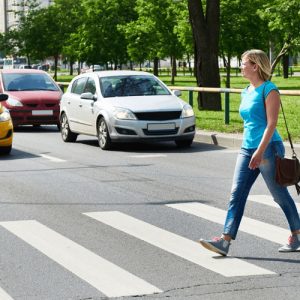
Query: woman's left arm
{"type": "Point", "coordinates": [272, 104]}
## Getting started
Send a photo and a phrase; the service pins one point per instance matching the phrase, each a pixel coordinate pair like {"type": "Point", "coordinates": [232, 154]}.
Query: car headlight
{"type": "Point", "coordinates": [187, 111]}
{"type": "Point", "coordinates": [4, 116]}
{"type": "Point", "coordinates": [13, 102]}
{"type": "Point", "coordinates": [124, 114]}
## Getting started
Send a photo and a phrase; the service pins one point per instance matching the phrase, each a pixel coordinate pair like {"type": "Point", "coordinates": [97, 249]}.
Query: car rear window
{"type": "Point", "coordinates": [28, 82]}
{"type": "Point", "coordinates": [132, 85]}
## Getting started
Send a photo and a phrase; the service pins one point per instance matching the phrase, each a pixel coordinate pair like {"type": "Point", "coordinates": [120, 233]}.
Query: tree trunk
{"type": "Point", "coordinates": [71, 67]}
{"type": "Point", "coordinates": [155, 66]}
{"type": "Point", "coordinates": [173, 60]}
{"type": "Point", "coordinates": [206, 38]}
{"type": "Point", "coordinates": [285, 65]}
{"type": "Point", "coordinates": [55, 67]}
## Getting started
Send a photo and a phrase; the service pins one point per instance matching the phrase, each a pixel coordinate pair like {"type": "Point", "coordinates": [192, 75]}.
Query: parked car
{"type": "Point", "coordinates": [33, 96]}
{"type": "Point", "coordinates": [6, 127]}
{"type": "Point", "coordinates": [124, 106]}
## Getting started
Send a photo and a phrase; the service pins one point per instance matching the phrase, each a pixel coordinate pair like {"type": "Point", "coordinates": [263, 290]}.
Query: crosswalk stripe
{"type": "Point", "coordinates": [177, 245]}
{"type": "Point", "coordinates": [105, 276]}
{"type": "Point", "coordinates": [257, 228]}
{"type": "Point", "coordinates": [4, 295]}
{"type": "Point", "coordinates": [267, 200]}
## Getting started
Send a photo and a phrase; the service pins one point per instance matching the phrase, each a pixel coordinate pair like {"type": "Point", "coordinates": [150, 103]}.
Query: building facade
{"type": "Point", "coordinates": [8, 9]}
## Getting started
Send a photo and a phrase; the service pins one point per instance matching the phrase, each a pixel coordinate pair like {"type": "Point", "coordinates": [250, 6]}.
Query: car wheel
{"type": "Point", "coordinates": [184, 143]}
{"type": "Point", "coordinates": [5, 150]}
{"type": "Point", "coordinates": [104, 139]}
{"type": "Point", "coordinates": [66, 133]}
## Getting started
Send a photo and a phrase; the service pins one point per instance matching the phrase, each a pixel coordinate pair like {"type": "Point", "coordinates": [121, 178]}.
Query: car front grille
{"type": "Point", "coordinates": [42, 118]}
{"type": "Point", "coordinates": [158, 115]}
{"type": "Point", "coordinates": [160, 132]}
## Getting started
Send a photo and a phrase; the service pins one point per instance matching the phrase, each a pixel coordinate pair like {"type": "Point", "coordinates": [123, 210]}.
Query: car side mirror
{"type": "Point", "coordinates": [177, 93]}
{"type": "Point", "coordinates": [3, 97]}
{"type": "Point", "coordinates": [88, 96]}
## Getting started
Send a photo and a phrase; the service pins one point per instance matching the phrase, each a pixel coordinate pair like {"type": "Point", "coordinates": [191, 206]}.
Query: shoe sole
{"type": "Point", "coordinates": [289, 251]}
{"type": "Point", "coordinates": [212, 248]}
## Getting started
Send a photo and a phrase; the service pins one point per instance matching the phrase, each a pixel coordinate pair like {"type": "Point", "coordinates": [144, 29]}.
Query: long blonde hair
{"type": "Point", "coordinates": [261, 59]}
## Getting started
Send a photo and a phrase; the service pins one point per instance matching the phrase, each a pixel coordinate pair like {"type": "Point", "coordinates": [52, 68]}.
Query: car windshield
{"type": "Point", "coordinates": [131, 85]}
{"type": "Point", "coordinates": [28, 82]}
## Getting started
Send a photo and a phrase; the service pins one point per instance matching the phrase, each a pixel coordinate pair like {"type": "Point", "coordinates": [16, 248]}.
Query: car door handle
{"type": "Point", "coordinates": [80, 105]}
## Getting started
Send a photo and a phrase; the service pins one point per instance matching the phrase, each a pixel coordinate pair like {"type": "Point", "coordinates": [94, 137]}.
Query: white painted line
{"type": "Point", "coordinates": [257, 228]}
{"type": "Point", "coordinates": [148, 156]}
{"type": "Point", "coordinates": [177, 245]}
{"type": "Point", "coordinates": [4, 295]}
{"type": "Point", "coordinates": [105, 276]}
{"type": "Point", "coordinates": [52, 158]}
{"type": "Point", "coordinates": [267, 200]}
{"type": "Point", "coordinates": [229, 151]}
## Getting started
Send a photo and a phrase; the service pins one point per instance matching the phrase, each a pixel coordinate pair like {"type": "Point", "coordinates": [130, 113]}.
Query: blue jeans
{"type": "Point", "coordinates": [243, 180]}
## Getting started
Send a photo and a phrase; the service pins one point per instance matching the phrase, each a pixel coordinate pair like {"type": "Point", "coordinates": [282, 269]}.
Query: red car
{"type": "Point", "coordinates": [34, 96]}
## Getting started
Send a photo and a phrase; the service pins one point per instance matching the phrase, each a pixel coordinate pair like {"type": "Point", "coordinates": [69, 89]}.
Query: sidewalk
{"type": "Point", "coordinates": [231, 140]}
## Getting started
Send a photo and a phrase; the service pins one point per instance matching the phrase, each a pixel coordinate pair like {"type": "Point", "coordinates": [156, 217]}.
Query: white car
{"type": "Point", "coordinates": [125, 106]}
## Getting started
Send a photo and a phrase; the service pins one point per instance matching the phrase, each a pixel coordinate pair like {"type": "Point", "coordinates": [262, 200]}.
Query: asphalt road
{"type": "Point", "coordinates": [77, 222]}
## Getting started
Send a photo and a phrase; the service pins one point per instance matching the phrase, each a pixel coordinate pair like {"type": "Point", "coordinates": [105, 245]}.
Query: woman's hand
{"type": "Point", "coordinates": [256, 160]}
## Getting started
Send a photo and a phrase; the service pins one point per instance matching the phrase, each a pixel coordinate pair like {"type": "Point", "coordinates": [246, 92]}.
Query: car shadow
{"type": "Point", "coordinates": [17, 154]}
{"type": "Point", "coordinates": [161, 147]}
{"type": "Point", "coordinates": [42, 128]}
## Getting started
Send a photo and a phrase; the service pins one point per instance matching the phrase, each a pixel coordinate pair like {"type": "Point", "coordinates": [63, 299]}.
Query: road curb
{"type": "Point", "coordinates": [231, 140]}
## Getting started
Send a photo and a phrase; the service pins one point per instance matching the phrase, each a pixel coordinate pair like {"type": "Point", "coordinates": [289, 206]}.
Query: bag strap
{"type": "Point", "coordinates": [287, 129]}
{"type": "Point", "coordinates": [289, 136]}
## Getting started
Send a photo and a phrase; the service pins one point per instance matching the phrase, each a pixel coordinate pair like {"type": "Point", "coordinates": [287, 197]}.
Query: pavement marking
{"type": "Point", "coordinates": [4, 295]}
{"type": "Point", "coordinates": [254, 227]}
{"type": "Point", "coordinates": [267, 200]}
{"type": "Point", "coordinates": [229, 151]}
{"type": "Point", "coordinates": [105, 276]}
{"type": "Point", "coordinates": [148, 156]}
{"type": "Point", "coordinates": [177, 245]}
{"type": "Point", "coordinates": [52, 158]}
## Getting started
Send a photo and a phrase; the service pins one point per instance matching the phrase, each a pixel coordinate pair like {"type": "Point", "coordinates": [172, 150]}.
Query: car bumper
{"type": "Point", "coordinates": [6, 134]}
{"type": "Point", "coordinates": [34, 117]}
{"type": "Point", "coordinates": [134, 130]}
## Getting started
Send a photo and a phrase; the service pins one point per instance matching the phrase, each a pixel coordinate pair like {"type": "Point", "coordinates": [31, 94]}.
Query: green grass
{"type": "Point", "coordinates": [215, 120]}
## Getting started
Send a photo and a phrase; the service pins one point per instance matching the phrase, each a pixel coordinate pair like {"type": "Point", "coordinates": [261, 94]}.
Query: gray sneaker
{"type": "Point", "coordinates": [218, 245]}
{"type": "Point", "coordinates": [292, 245]}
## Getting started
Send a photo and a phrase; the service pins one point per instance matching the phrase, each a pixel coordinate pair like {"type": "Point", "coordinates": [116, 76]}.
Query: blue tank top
{"type": "Point", "coordinates": [253, 112]}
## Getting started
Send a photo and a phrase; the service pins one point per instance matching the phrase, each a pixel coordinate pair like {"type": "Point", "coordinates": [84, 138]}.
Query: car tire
{"type": "Point", "coordinates": [184, 143]}
{"type": "Point", "coordinates": [5, 150]}
{"type": "Point", "coordinates": [104, 139]}
{"type": "Point", "coordinates": [67, 135]}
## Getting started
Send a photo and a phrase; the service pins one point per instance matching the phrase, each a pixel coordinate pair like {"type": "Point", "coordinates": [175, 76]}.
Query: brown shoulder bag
{"type": "Point", "coordinates": [288, 169]}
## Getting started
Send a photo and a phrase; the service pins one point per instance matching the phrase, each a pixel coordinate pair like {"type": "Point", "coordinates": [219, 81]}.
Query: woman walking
{"type": "Point", "coordinates": [259, 109]}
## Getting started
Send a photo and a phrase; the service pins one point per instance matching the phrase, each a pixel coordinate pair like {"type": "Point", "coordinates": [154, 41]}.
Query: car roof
{"type": "Point", "coordinates": [14, 71]}
{"type": "Point", "coordinates": [118, 73]}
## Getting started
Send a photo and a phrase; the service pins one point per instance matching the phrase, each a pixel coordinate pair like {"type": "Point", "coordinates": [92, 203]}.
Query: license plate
{"type": "Point", "coordinates": [42, 112]}
{"type": "Point", "coordinates": [163, 126]}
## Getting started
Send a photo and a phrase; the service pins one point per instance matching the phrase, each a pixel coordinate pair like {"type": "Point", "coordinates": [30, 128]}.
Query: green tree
{"type": "Point", "coordinates": [101, 38]}
{"type": "Point", "coordinates": [72, 18]}
{"type": "Point", "coordinates": [153, 35]}
{"type": "Point", "coordinates": [283, 17]}
{"type": "Point", "coordinates": [241, 28]}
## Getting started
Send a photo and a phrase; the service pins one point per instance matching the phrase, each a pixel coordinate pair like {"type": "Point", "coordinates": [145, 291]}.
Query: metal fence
{"type": "Point", "coordinates": [226, 91]}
